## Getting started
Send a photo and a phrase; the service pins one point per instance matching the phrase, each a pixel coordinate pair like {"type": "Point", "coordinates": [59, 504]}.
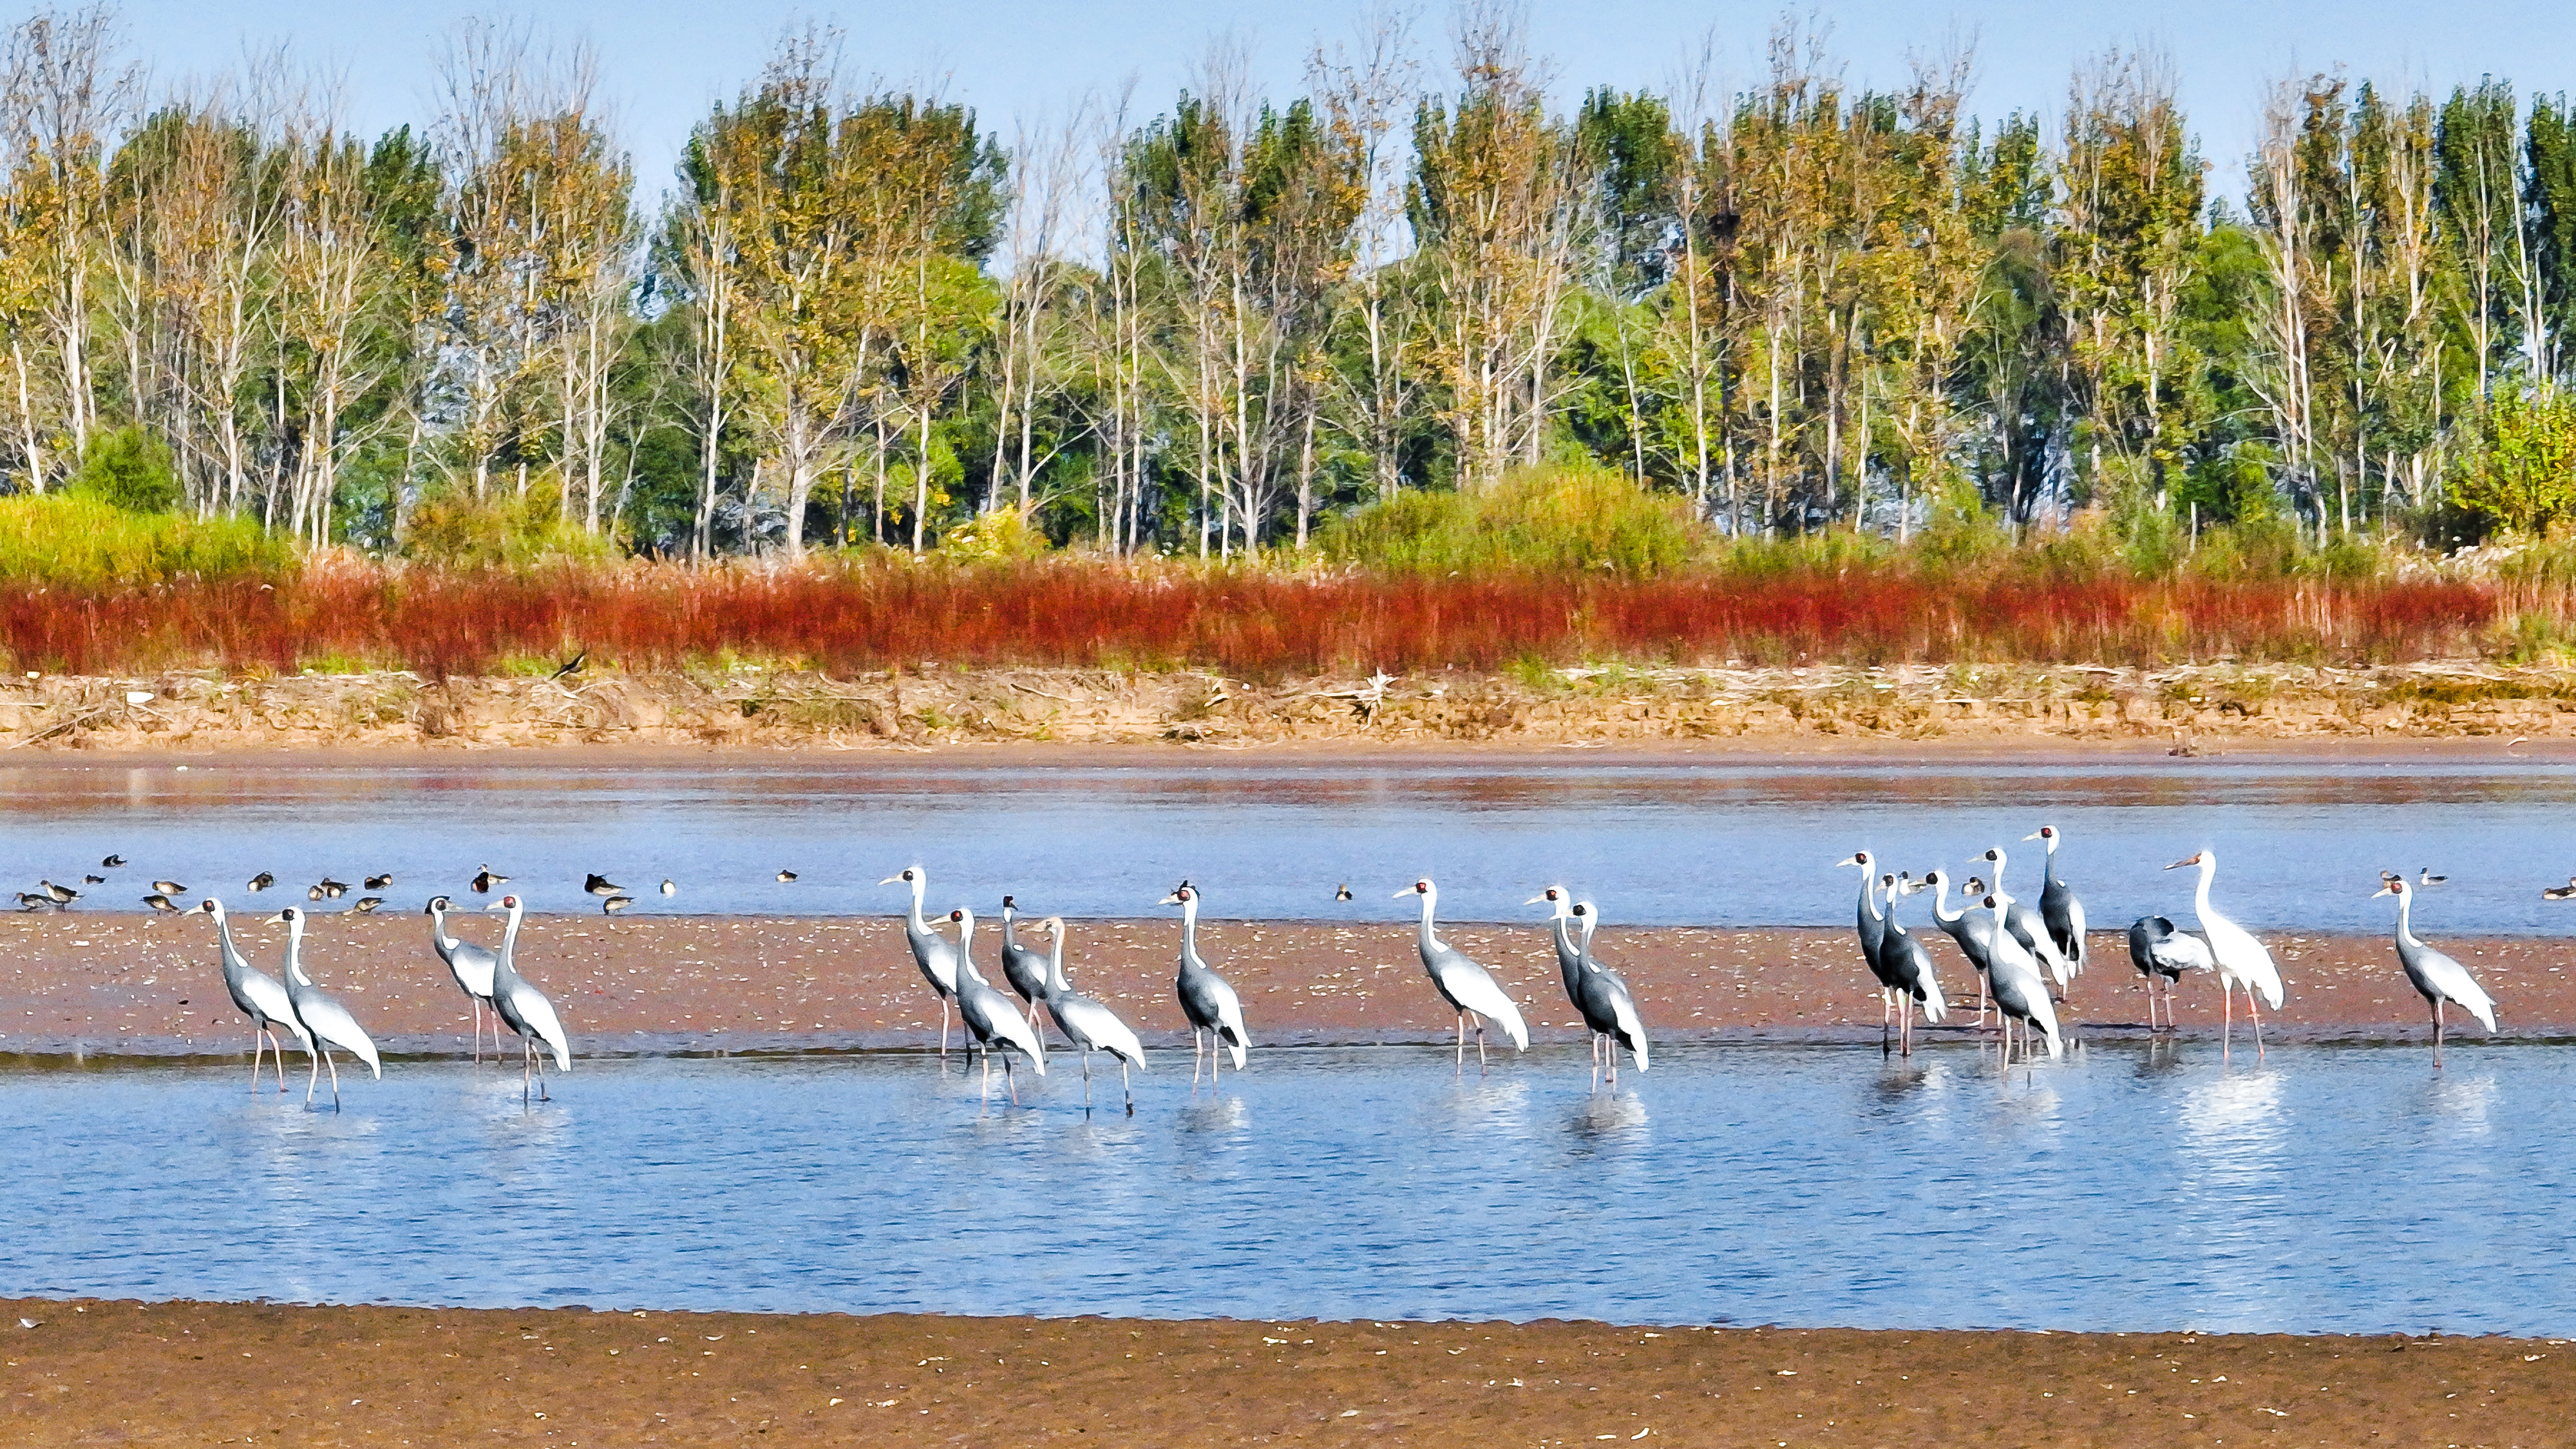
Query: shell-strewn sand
{"type": "Point", "coordinates": [102, 984]}
{"type": "Point", "coordinates": [191, 1374]}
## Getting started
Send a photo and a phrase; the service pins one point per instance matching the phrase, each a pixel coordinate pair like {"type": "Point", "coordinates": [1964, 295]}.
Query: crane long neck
{"type": "Point", "coordinates": [1591, 923]}
{"type": "Point", "coordinates": [2200, 896]}
{"type": "Point", "coordinates": [1056, 985]}
{"type": "Point", "coordinates": [2405, 926]}
{"type": "Point", "coordinates": [510, 942]}
{"type": "Point", "coordinates": [1190, 928]}
{"type": "Point", "coordinates": [920, 885]}
{"type": "Point", "coordinates": [1430, 902]}
{"type": "Point", "coordinates": [295, 956]}
{"type": "Point", "coordinates": [966, 949]}
{"type": "Point", "coordinates": [1869, 889]}
{"type": "Point", "coordinates": [224, 937]}
{"type": "Point", "coordinates": [439, 935]}
{"type": "Point", "coordinates": [1941, 902]}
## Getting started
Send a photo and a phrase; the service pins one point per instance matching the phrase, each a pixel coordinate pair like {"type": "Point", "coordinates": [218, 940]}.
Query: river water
{"type": "Point", "coordinates": [1727, 841]}
{"type": "Point", "coordinates": [2143, 1187]}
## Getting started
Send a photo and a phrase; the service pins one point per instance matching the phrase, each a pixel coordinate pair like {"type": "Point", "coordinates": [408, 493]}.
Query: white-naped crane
{"type": "Point", "coordinates": [472, 966]}
{"type": "Point", "coordinates": [1469, 988]}
{"type": "Point", "coordinates": [1088, 1024]}
{"type": "Point", "coordinates": [2242, 960]}
{"type": "Point", "coordinates": [1910, 977]}
{"type": "Point", "coordinates": [2060, 910]}
{"type": "Point", "coordinates": [2028, 927]}
{"type": "Point", "coordinates": [933, 953]}
{"type": "Point", "coordinates": [1207, 999]}
{"type": "Point", "coordinates": [1973, 932]}
{"type": "Point", "coordinates": [990, 1018]}
{"type": "Point", "coordinates": [1606, 999]}
{"type": "Point", "coordinates": [2435, 977]}
{"type": "Point", "coordinates": [2021, 992]}
{"type": "Point", "coordinates": [1024, 968]}
{"type": "Point", "coordinates": [525, 1009]}
{"type": "Point", "coordinates": [2162, 950]}
{"type": "Point", "coordinates": [260, 996]}
{"type": "Point", "coordinates": [326, 1022]}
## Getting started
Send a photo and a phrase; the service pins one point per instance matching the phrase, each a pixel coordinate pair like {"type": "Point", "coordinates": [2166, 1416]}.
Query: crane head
{"type": "Point", "coordinates": [909, 875]}
{"type": "Point", "coordinates": [1181, 895]}
{"type": "Point", "coordinates": [210, 906]}
{"type": "Point", "coordinates": [2389, 885]}
{"type": "Point", "coordinates": [505, 903]}
{"type": "Point", "coordinates": [1550, 896]}
{"type": "Point", "coordinates": [436, 905]}
{"type": "Point", "coordinates": [2195, 859]}
{"type": "Point", "coordinates": [2045, 832]}
{"type": "Point", "coordinates": [1858, 857]}
{"type": "Point", "coordinates": [1418, 888]}
{"type": "Point", "coordinates": [292, 916]}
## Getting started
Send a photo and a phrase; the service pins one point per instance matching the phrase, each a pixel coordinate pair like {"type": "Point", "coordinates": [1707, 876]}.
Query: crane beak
{"type": "Point", "coordinates": [1173, 899]}
{"type": "Point", "coordinates": [2034, 835]}
{"type": "Point", "coordinates": [2179, 864]}
{"type": "Point", "coordinates": [2389, 889]}
{"type": "Point", "coordinates": [1855, 860]}
{"type": "Point", "coordinates": [891, 880]}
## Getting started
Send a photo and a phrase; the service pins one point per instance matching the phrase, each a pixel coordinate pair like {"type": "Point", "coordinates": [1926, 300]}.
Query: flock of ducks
{"type": "Point", "coordinates": [2018, 952]}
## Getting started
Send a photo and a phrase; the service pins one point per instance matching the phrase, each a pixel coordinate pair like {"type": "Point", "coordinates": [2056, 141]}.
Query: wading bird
{"type": "Point", "coordinates": [2059, 909]}
{"type": "Point", "coordinates": [484, 880]}
{"type": "Point", "coordinates": [113, 862]}
{"type": "Point", "coordinates": [1873, 926]}
{"type": "Point", "coordinates": [2157, 947]}
{"type": "Point", "coordinates": [2028, 928]}
{"type": "Point", "coordinates": [1342, 892]}
{"type": "Point", "coordinates": [2021, 992]}
{"type": "Point", "coordinates": [1023, 967]}
{"type": "Point", "coordinates": [785, 876]}
{"type": "Point", "coordinates": [1561, 922]}
{"type": "Point", "coordinates": [2241, 959]}
{"type": "Point", "coordinates": [1086, 1023]}
{"type": "Point", "coordinates": [614, 904]}
{"type": "Point", "coordinates": [1973, 933]}
{"type": "Point", "coordinates": [668, 888]}
{"type": "Point", "coordinates": [1206, 999]}
{"type": "Point", "coordinates": [471, 965]}
{"type": "Point", "coordinates": [366, 905]}
{"type": "Point", "coordinates": [1466, 986]}
{"type": "Point", "coordinates": [169, 888]}
{"type": "Point", "coordinates": [2436, 977]}
{"type": "Point", "coordinates": [261, 882]}
{"type": "Point", "coordinates": [159, 902]}
{"type": "Point", "coordinates": [525, 1009]}
{"type": "Point", "coordinates": [2426, 878]}
{"type": "Point", "coordinates": [260, 997]}
{"type": "Point", "coordinates": [1606, 998]}
{"type": "Point", "coordinates": [333, 888]}
{"type": "Point", "coordinates": [2566, 892]}
{"type": "Point", "coordinates": [990, 1017]}
{"type": "Point", "coordinates": [59, 895]}
{"type": "Point", "coordinates": [379, 882]}
{"type": "Point", "coordinates": [93, 880]}
{"type": "Point", "coordinates": [326, 1022]}
{"type": "Point", "coordinates": [1909, 971]}
{"type": "Point", "coordinates": [934, 953]}
{"type": "Point", "coordinates": [600, 885]}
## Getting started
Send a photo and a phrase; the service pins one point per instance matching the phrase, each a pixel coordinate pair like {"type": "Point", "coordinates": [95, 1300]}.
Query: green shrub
{"type": "Point", "coordinates": [80, 542]}
{"type": "Point", "coordinates": [2522, 475]}
{"type": "Point", "coordinates": [127, 468]}
{"type": "Point", "coordinates": [503, 530]}
{"type": "Point", "coordinates": [991, 537]}
{"type": "Point", "coordinates": [1557, 519]}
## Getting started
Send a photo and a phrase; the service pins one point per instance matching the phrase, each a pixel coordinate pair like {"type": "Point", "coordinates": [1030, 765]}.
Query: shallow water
{"type": "Point", "coordinates": [1721, 842]}
{"type": "Point", "coordinates": [2140, 1187]}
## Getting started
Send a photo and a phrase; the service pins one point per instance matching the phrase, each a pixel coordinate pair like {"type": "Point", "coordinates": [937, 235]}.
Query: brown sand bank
{"type": "Point", "coordinates": [100, 984]}
{"type": "Point", "coordinates": [194, 1373]}
{"type": "Point", "coordinates": [2187, 707]}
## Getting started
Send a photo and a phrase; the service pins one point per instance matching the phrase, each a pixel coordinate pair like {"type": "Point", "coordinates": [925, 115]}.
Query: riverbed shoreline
{"type": "Point", "coordinates": [174, 1373]}
{"type": "Point", "coordinates": [2187, 710]}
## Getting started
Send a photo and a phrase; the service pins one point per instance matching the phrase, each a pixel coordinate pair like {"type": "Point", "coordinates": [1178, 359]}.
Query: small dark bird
{"type": "Point", "coordinates": [669, 889]}
{"type": "Point", "coordinates": [573, 665]}
{"type": "Point", "coordinates": [93, 880]}
{"type": "Point", "coordinates": [787, 875]}
{"type": "Point", "coordinates": [313, 893]}
{"type": "Point", "coordinates": [262, 881]}
{"type": "Point", "coordinates": [379, 882]}
{"type": "Point", "coordinates": [169, 888]}
{"type": "Point", "coordinates": [484, 880]}
{"type": "Point", "coordinates": [1342, 892]}
{"type": "Point", "coordinates": [600, 885]}
{"type": "Point", "coordinates": [366, 904]}
{"type": "Point", "coordinates": [2426, 877]}
{"type": "Point", "coordinates": [614, 904]}
{"type": "Point", "coordinates": [333, 888]}
{"type": "Point", "coordinates": [159, 902]}
{"type": "Point", "coordinates": [2566, 892]}
{"type": "Point", "coordinates": [113, 862]}
{"type": "Point", "coordinates": [36, 901]}
{"type": "Point", "coordinates": [63, 895]}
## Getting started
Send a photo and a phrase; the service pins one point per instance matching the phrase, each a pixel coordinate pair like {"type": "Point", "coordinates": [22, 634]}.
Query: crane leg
{"type": "Point", "coordinates": [335, 1081]}
{"type": "Point", "coordinates": [2227, 1017]}
{"type": "Point", "coordinates": [1125, 1088]}
{"type": "Point", "coordinates": [988, 1077]}
{"type": "Point", "coordinates": [1194, 1058]}
{"type": "Point", "coordinates": [943, 1030]}
{"type": "Point", "coordinates": [1086, 1079]}
{"type": "Point", "coordinates": [256, 1038]}
{"type": "Point", "coordinates": [2256, 1014]}
{"type": "Point", "coordinates": [1462, 1041]}
{"type": "Point", "coordinates": [1011, 1077]}
{"type": "Point", "coordinates": [2437, 1033]}
{"type": "Point", "coordinates": [1981, 1001]}
{"type": "Point", "coordinates": [1480, 1040]}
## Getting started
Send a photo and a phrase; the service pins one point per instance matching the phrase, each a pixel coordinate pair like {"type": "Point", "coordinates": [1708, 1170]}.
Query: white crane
{"type": "Point", "coordinates": [1086, 1023]}
{"type": "Point", "coordinates": [524, 1009]}
{"type": "Point", "coordinates": [1207, 999]}
{"type": "Point", "coordinates": [2058, 905]}
{"type": "Point", "coordinates": [989, 1015]}
{"type": "Point", "coordinates": [259, 996]}
{"type": "Point", "coordinates": [1466, 986]}
{"type": "Point", "coordinates": [2027, 927]}
{"type": "Point", "coordinates": [2435, 976]}
{"type": "Point", "coordinates": [2242, 960]}
{"type": "Point", "coordinates": [1909, 973]}
{"type": "Point", "coordinates": [1606, 998]}
{"type": "Point", "coordinates": [326, 1022]}
{"type": "Point", "coordinates": [934, 953]}
{"type": "Point", "coordinates": [471, 964]}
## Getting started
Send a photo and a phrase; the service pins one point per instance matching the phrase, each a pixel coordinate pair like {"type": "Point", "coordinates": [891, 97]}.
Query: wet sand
{"type": "Point", "coordinates": [192, 1374]}
{"type": "Point", "coordinates": [119, 985]}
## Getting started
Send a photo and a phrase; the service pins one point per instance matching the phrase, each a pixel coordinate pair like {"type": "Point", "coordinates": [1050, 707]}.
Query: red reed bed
{"type": "Point", "coordinates": [1070, 613]}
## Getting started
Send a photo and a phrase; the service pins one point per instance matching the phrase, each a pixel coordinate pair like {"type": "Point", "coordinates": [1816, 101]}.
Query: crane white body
{"type": "Point", "coordinates": [2242, 960]}
{"type": "Point", "coordinates": [2435, 976]}
{"type": "Point", "coordinates": [1088, 1024]}
{"type": "Point", "coordinates": [326, 1022]}
{"type": "Point", "coordinates": [524, 1008]}
{"type": "Point", "coordinates": [933, 953]}
{"type": "Point", "coordinates": [1467, 987]}
{"type": "Point", "coordinates": [990, 1015]}
{"type": "Point", "coordinates": [2021, 992]}
{"type": "Point", "coordinates": [472, 965]}
{"type": "Point", "coordinates": [260, 996]}
{"type": "Point", "coordinates": [1606, 998]}
{"type": "Point", "coordinates": [1207, 999]}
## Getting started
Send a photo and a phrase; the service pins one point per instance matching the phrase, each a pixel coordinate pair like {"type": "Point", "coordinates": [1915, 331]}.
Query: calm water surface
{"type": "Point", "coordinates": [2135, 1188]}
{"type": "Point", "coordinates": [1723, 842]}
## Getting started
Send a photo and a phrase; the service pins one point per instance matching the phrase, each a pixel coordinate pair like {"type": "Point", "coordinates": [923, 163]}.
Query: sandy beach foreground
{"type": "Point", "coordinates": [94, 986]}
{"type": "Point", "coordinates": [195, 1373]}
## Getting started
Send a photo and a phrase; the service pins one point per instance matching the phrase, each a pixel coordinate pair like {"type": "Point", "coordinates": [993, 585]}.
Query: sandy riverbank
{"type": "Point", "coordinates": [2191, 708]}
{"type": "Point", "coordinates": [193, 1373]}
{"type": "Point", "coordinates": [100, 985]}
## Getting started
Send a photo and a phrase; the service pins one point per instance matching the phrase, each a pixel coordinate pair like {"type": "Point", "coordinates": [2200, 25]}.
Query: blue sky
{"type": "Point", "coordinates": [664, 62]}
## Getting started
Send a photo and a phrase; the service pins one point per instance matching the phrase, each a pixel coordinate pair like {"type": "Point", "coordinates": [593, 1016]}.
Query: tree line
{"type": "Point", "coordinates": [856, 315]}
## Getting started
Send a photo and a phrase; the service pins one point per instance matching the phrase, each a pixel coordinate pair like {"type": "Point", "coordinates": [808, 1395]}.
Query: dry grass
{"type": "Point", "coordinates": [1255, 623]}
